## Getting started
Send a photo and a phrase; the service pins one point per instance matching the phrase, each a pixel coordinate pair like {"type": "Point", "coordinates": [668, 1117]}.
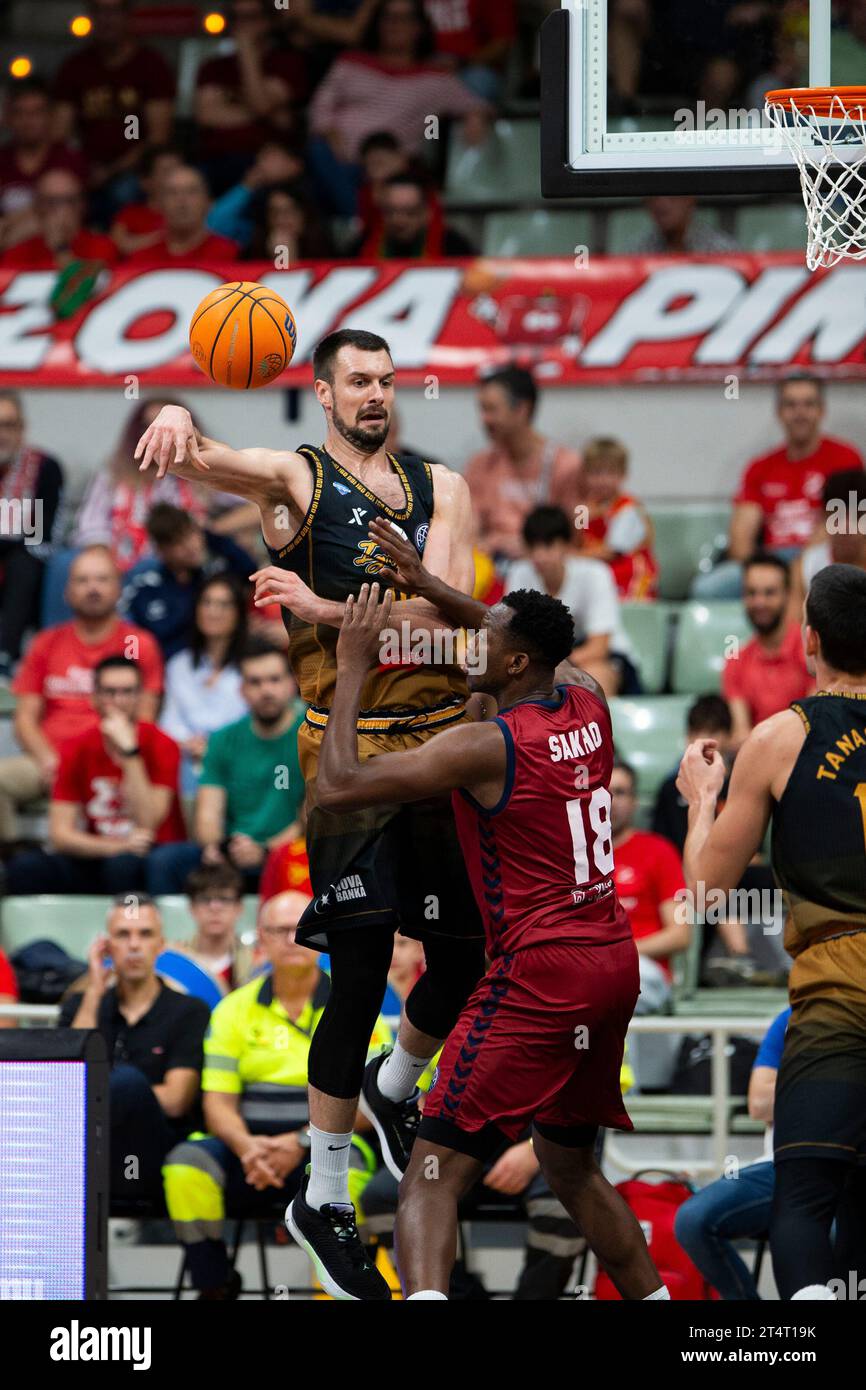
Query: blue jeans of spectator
{"type": "Point", "coordinates": [725, 580]}
{"type": "Point", "coordinates": [41, 872]}
{"type": "Point", "coordinates": [727, 1210]}
{"type": "Point", "coordinates": [141, 1135]}
{"type": "Point", "coordinates": [336, 181]}
{"type": "Point", "coordinates": [169, 866]}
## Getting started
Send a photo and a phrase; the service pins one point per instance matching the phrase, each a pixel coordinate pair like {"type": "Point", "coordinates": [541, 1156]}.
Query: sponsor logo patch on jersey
{"type": "Point", "coordinates": [341, 487]}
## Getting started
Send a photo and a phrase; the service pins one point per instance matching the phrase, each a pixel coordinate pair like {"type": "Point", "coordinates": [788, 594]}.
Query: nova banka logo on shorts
{"type": "Point", "coordinates": [77, 1343]}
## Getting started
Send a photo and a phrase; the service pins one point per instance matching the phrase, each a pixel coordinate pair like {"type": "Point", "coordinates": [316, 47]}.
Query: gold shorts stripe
{"type": "Point", "coordinates": [394, 723]}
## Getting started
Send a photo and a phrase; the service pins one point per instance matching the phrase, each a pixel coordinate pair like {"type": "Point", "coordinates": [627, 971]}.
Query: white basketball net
{"type": "Point", "coordinates": [830, 150]}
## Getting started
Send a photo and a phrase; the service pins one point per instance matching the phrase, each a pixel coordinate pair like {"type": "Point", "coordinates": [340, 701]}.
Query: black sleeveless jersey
{"type": "Point", "coordinates": [333, 554]}
{"type": "Point", "coordinates": [819, 824]}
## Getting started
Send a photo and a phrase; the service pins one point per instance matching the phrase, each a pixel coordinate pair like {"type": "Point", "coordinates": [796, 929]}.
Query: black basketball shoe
{"type": "Point", "coordinates": [330, 1238]}
{"type": "Point", "coordinates": [395, 1122]}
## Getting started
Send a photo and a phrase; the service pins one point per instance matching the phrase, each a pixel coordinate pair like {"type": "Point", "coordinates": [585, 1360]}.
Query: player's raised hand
{"type": "Point", "coordinates": [364, 620]}
{"type": "Point", "coordinates": [702, 771]}
{"type": "Point", "coordinates": [275, 585]}
{"type": "Point", "coordinates": [406, 569]}
{"type": "Point", "coordinates": [171, 439]}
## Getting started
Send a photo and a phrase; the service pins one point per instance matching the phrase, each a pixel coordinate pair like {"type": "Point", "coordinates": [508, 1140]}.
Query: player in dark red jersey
{"type": "Point", "coordinates": [541, 1038]}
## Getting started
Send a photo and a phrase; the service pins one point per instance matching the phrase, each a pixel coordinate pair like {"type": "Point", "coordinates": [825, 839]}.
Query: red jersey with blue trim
{"type": "Point", "coordinates": [541, 860]}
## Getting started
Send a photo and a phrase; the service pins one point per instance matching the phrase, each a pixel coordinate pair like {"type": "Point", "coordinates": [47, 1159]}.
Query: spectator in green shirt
{"type": "Point", "coordinates": [251, 789]}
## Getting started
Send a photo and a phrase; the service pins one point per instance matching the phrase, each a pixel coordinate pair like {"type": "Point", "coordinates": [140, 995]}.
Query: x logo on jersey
{"type": "Point", "coordinates": [357, 513]}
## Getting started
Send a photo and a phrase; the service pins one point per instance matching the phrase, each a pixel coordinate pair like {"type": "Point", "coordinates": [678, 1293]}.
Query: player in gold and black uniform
{"type": "Point", "coordinates": [805, 768]}
{"type": "Point", "coordinates": [390, 867]}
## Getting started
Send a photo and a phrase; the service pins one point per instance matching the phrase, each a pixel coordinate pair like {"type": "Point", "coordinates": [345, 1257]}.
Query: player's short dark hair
{"type": "Point", "coordinates": [709, 714]}
{"type": "Point", "coordinates": [620, 765]}
{"type": "Point", "coordinates": [840, 485]}
{"type": "Point", "coordinates": [767, 557]}
{"type": "Point", "coordinates": [167, 523]}
{"type": "Point", "coordinates": [212, 878]}
{"type": "Point", "coordinates": [801, 378]}
{"type": "Point", "coordinates": [542, 624]}
{"type": "Point", "coordinates": [327, 350]}
{"type": "Point", "coordinates": [115, 663]}
{"type": "Point", "coordinates": [256, 647]}
{"type": "Point", "coordinates": [546, 524]}
{"type": "Point", "coordinates": [380, 140]}
{"type": "Point", "coordinates": [836, 610]}
{"type": "Point", "coordinates": [517, 383]}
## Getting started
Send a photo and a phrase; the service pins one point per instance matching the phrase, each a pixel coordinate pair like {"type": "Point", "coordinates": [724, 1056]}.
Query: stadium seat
{"type": "Point", "coordinates": [536, 233]}
{"type": "Point", "coordinates": [504, 169]}
{"type": "Point", "coordinates": [779, 227]}
{"type": "Point", "coordinates": [54, 608]}
{"type": "Point", "coordinates": [703, 642]}
{"type": "Point", "coordinates": [648, 732]}
{"type": "Point", "coordinates": [685, 535]}
{"type": "Point", "coordinates": [73, 921]}
{"type": "Point", "coordinates": [628, 227]}
{"type": "Point", "coordinates": [647, 626]}
{"type": "Point", "coordinates": [7, 703]}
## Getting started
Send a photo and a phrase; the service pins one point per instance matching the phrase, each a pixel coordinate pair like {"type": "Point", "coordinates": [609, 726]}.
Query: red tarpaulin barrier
{"type": "Point", "coordinates": [623, 320]}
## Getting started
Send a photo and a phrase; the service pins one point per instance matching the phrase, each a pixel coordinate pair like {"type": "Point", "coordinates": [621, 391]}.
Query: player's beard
{"type": "Point", "coordinates": [367, 440]}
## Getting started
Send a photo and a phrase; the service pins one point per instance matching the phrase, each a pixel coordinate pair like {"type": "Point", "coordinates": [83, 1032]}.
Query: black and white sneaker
{"type": "Point", "coordinates": [395, 1122]}
{"type": "Point", "coordinates": [330, 1238]}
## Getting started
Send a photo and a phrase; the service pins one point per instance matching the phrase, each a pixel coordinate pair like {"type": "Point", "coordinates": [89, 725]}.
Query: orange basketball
{"type": "Point", "coordinates": [242, 335]}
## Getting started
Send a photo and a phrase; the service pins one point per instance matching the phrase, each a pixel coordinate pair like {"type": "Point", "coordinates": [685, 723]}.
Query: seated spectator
{"type": "Point", "coordinates": [770, 670]}
{"type": "Point", "coordinates": [251, 789]}
{"type": "Point", "coordinates": [102, 86]}
{"type": "Point", "coordinates": [709, 716]}
{"type": "Point", "coordinates": [837, 539]}
{"type": "Point", "coordinates": [54, 682]}
{"type": "Point", "coordinates": [587, 589]}
{"type": "Point", "coordinates": [119, 497]}
{"type": "Point", "coordinates": [287, 867]}
{"type": "Point", "coordinates": [393, 84]}
{"type": "Point", "coordinates": [8, 989]}
{"type": "Point", "coordinates": [32, 151]}
{"type": "Point", "coordinates": [59, 208]}
{"type": "Point", "coordinates": [141, 224]}
{"type": "Point", "coordinates": [411, 225]}
{"type": "Point", "coordinates": [677, 232]}
{"type": "Point", "coordinates": [381, 156]}
{"type": "Point", "coordinates": [848, 45]}
{"type": "Point", "coordinates": [522, 469]}
{"type": "Point", "coordinates": [476, 38]}
{"type": "Point", "coordinates": [779, 499]}
{"type": "Point", "coordinates": [629, 28]}
{"type": "Point", "coordinates": [254, 1089]}
{"type": "Point", "coordinates": [184, 201]}
{"type": "Point", "coordinates": [249, 96]}
{"type": "Point", "coordinates": [160, 593]}
{"type": "Point", "coordinates": [31, 494]}
{"type": "Point", "coordinates": [154, 1038]}
{"type": "Point", "coordinates": [237, 212]}
{"type": "Point", "coordinates": [619, 530]}
{"type": "Point", "coordinates": [115, 796]}
{"type": "Point", "coordinates": [215, 894]}
{"type": "Point", "coordinates": [737, 1206]}
{"type": "Point", "coordinates": [289, 228]}
{"type": "Point", "coordinates": [648, 874]}
{"type": "Point", "coordinates": [203, 682]}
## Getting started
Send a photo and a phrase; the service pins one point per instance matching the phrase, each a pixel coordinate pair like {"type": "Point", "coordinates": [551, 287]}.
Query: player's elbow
{"type": "Point", "coordinates": [337, 794]}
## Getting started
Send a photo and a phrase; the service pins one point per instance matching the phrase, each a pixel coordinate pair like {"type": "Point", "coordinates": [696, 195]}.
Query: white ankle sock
{"type": "Point", "coordinates": [329, 1167]}
{"type": "Point", "coordinates": [427, 1294]}
{"type": "Point", "coordinates": [398, 1074]}
{"type": "Point", "coordinates": [663, 1292]}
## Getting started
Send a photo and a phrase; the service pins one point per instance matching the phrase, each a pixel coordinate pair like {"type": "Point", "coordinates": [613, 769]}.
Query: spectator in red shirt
{"type": "Point", "coordinates": [249, 96]}
{"type": "Point", "coordinates": [32, 150]}
{"type": "Point", "coordinates": [411, 225]}
{"type": "Point", "coordinates": [186, 240]}
{"type": "Point", "coordinates": [121, 780]}
{"type": "Point", "coordinates": [770, 671]}
{"type": "Point", "coordinates": [477, 37]}
{"type": "Point", "coordinates": [8, 989]}
{"type": "Point", "coordinates": [141, 224]}
{"type": "Point", "coordinates": [779, 498]}
{"type": "Point", "coordinates": [618, 529]}
{"type": "Point", "coordinates": [59, 207]}
{"type": "Point", "coordinates": [648, 874]}
{"type": "Point", "coordinates": [102, 85]}
{"type": "Point", "coordinates": [55, 680]}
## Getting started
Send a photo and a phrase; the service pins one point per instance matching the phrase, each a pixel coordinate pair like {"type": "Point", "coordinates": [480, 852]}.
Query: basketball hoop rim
{"type": "Point", "coordinates": [824, 103]}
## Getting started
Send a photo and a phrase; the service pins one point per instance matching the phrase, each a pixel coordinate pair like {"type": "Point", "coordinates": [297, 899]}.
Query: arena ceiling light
{"type": "Point", "coordinates": [214, 22]}
{"type": "Point", "coordinates": [20, 66]}
{"type": "Point", "coordinates": [80, 25]}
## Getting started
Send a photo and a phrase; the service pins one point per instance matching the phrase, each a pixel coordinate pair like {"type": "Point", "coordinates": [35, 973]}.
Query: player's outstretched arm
{"type": "Point", "coordinates": [471, 756]}
{"type": "Point", "coordinates": [173, 444]}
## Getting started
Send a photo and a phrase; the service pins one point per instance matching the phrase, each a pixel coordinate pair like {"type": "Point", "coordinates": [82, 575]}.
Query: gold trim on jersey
{"type": "Point", "coordinates": [374, 496]}
{"type": "Point", "coordinates": [318, 484]}
{"type": "Point", "coordinates": [798, 709]}
{"type": "Point", "coordinates": [385, 723]}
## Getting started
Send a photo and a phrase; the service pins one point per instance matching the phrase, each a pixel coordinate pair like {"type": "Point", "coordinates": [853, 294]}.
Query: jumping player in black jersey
{"type": "Point", "coordinates": [378, 870]}
{"type": "Point", "coordinates": [805, 770]}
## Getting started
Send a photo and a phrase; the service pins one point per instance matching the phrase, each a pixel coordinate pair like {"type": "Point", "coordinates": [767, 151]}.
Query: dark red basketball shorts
{"type": "Point", "coordinates": [541, 1038]}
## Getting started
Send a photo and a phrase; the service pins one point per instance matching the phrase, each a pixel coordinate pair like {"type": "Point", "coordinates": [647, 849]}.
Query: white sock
{"type": "Point", "coordinates": [398, 1074]}
{"type": "Point", "coordinates": [813, 1293]}
{"type": "Point", "coordinates": [427, 1293]}
{"type": "Point", "coordinates": [663, 1292]}
{"type": "Point", "coordinates": [329, 1168]}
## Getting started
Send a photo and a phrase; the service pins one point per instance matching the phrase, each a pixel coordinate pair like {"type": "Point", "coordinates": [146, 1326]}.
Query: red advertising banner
{"type": "Point", "coordinates": [622, 320]}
